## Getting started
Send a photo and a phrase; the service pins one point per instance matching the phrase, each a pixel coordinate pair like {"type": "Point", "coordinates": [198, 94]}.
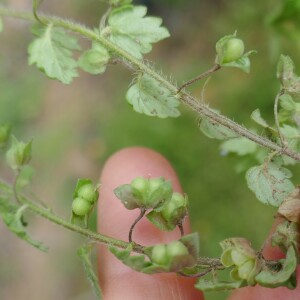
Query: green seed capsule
{"type": "Point", "coordinates": [159, 255]}
{"type": "Point", "coordinates": [176, 248]}
{"type": "Point", "coordinates": [88, 193]}
{"type": "Point", "coordinates": [81, 207]}
{"type": "Point", "coordinates": [140, 184]}
{"type": "Point", "coordinates": [233, 50]}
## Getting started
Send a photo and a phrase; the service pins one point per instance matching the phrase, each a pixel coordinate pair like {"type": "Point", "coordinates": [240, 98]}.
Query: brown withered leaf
{"type": "Point", "coordinates": [290, 207]}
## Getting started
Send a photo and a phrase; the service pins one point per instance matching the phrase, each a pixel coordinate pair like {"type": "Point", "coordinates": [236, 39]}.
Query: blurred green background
{"type": "Point", "coordinates": [77, 127]}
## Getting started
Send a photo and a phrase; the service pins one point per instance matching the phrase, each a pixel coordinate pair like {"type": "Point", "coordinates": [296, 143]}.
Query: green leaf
{"type": "Point", "coordinates": [12, 217]}
{"type": "Point", "coordinates": [135, 262]}
{"type": "Point", "coordinates": [240, 146]}
{"type": "Point", "coordinates": [19, 153]}
{"type": "Point", "coordinates": [147, 96]}
{"type": "Point", "coordinates": [94, 60]}
{"type": "Point", "coordinates": [270, 183]}
{"type": "Point", "coordinates": [5, 130]}
{"type": "Point", "coordinates": [285, 72]}
{"type": "Point", "coordinates": [216, 285]}
{"type": "Point", "coordinates": [287, 102]}
{"type": "Point", "coordinates": [285, 276]}
{"type": "Point", "coordinates": [257, 118]}
{"type": "Point", "coordinates": [84, 254]}
{"type": "Point", "coordinates": [243, 63]}
{"type": "Point", "coordinates": [214, 130]}
{"type": "Point", "coordinates": [132, 31]}
{"type": "Point", "coordinates": [25, 176]}
{"type": "Point", "coordinates": [52, 53]}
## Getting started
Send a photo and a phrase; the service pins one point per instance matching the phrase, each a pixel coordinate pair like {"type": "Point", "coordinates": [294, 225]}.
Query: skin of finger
{"type": "Point", "coordinates": [117, 280]}
{"type": "Point", "coordinates": [262, 293]}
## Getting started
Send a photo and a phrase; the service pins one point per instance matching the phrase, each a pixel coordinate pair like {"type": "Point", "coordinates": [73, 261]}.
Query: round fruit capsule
{"type": "Point", "coordinates": [176, 249]}
{"type": "Point", "coordinates": [80, 207]}
{"type": "Point", "coordinates": [159, 254]}
{"type": "Point", "coordinates": [233, 50]}
{"type": "Point", "coordinates": [140, 184]}
{"type": "Point", "coordinates": [88, 193]}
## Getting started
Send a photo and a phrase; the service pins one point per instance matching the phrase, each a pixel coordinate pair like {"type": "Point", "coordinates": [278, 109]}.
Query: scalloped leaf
{"type": "Point", "coordinates": [94, 60]}
{"type": "Point", "coordinates": [270, 183]}
{"type": "Point", "coordinates": [131, 30]}
{"type": "Point", "coordinates": [284, 277]}
{"type": "Point", "coordinates": [12, 216]}
{"type": "Point", "coordinates": [147, 96]}
{"type": "Point", "coordinates": [240, 146]}
{"type": "Point", "coordinates": [135, 262]}
{"type": "Point", "coordinates": [84, 254]}
{"type": "Point", "coordinates": [52, 53]}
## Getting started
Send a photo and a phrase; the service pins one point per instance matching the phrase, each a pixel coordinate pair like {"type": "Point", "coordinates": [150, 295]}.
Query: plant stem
{"type": "Point", "coordinates": [282, 139]}
{"type": "Point", "coordinates": [142, 213]}
{"type": "Point", "coordinates": [215, 68]}
{"type": "Point", "coordinates": [202, 109]}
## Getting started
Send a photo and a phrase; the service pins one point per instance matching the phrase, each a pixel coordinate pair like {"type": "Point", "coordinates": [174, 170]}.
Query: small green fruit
{"type": "Point", "coordinates": [176, 248]}
{"type": "Point", "coordinates": [159, 255]}
{"type": "Point", "coordinates": [88, 193]}
{"type": "Point", "coordinates": [233, 49]}
{"type": "Point", "coordinates": [81, 207]}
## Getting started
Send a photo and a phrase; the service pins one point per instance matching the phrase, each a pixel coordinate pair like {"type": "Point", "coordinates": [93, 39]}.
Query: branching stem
{"type": "Point", "coordinates": [215, 68]}
{"type": "Point", "coordinates": [201, 109]}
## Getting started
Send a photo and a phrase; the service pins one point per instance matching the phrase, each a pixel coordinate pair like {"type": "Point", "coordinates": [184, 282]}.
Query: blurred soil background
{"type": "Point", "coordinates": [77, 127]}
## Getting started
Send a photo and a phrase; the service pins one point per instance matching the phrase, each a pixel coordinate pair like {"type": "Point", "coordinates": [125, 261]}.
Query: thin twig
{"type": "Point", "coordinates": [142, 213]}
{"type": "Point", "coordinates": [215, 68]}
{"type": "Point", "coordinates": [282, 139]}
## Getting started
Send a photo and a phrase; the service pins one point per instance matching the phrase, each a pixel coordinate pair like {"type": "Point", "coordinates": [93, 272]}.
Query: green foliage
{"type": "Point", "coordinates": [218, 285]}
{"type": "Point", "coordinates": [84, 254]}
{"type": "Point", "coordinates": [12, 216]}
{"type": "Point", "coordinates": [285, 72]}
{"type": "Point", "coordinates": [240, 146]}
{"type": "Point", "coordinates": [52, 53]}
{"type": "Point", "coordinates": [270, 183]}
{"type": "Point", "coordinates": [214, 130]}
{"type": "Point", "coordinates": [94, 60]}
{"type": "Point", "coordinates": [4, 134]}
{"type": "Point", "coordinates": [132, 31]}
{"type": "Point", "coordinates": [171, 257]}
{"type": "Point", "coordinates": [285, 276]}
{"type": "Point", "coordinates": [151, 98]}
{"type": "Point", "coordinates": [19, 154]}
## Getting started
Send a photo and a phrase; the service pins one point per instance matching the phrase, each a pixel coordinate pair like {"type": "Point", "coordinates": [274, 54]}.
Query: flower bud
{"type": "Point", "coordinates": [19, 154]}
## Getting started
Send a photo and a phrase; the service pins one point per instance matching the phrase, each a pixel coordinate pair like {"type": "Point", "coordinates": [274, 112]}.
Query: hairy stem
{"type": "Point", "coordinates": [201, 109]}
{"type": "Point", "coordinates": [282, 139]}
{"type": "Point", "coordinates": [215, 68]}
